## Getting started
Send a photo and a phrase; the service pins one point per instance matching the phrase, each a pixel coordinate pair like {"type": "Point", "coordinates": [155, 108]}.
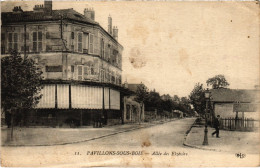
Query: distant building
{"type": "Point", "coordinates": [81, 62]}
{"type": "Point", "coordinates": [235, 102]}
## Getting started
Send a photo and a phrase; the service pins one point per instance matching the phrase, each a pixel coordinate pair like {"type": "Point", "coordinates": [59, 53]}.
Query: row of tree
{"type": "Point", "coordinates": [152, 101]}
{"type": "Point", "coordinates": [188, 105]}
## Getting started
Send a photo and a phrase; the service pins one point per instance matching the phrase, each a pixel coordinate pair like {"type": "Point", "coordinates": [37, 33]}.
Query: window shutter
{"type": "Point", "coordinates": [79, 72]}
{"type": "Point", "coordinates": [39, 36]}
{"type": "Point", "coordinates": [16, 41]}
{"type": "Point", "coordinates": [72, 35]}
{"type": "Point", "coordinates": [39, 41]}
{"type": "Point", "coordinates": [15, 37]}
{"type": "Point", "coordinates": [91, 41]}
{"type": "Point", "coordinates": [34, 41]}
{"type": "Point", "coordinates": [34, 36]}
{"type": "Point", "coordinates": [79, 42]}
{"type": "Point", "coordinates": [39, 46]}
{"type": "Point", "coordinates": [85, 70]}
{"type": "Point", "coordinates": [92, 70]}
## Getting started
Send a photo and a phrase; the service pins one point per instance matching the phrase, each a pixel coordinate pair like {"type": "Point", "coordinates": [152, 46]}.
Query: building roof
{"type": "Point", "coordinates": [55, 15]}
{"type": "Point", "coordinates": [234, 95]}
{"type": "Point", "coordinates": [31, 16]}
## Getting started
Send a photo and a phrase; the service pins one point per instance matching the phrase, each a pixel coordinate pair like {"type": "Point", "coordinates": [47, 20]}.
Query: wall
{"type": "Point", "coordinates": [50, 60]}
{"type": "Point", "coordinates": [110, 61]}
{"type": "Point", "coordinates": [225, 110]}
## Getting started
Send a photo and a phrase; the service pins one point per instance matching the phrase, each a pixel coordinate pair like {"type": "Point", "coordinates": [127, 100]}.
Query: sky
{"type": "Point", "coordinates": [171, 46]}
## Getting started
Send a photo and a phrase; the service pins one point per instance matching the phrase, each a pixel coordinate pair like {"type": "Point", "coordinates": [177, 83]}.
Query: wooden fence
{"type": "Point", "coordinates": [238, 124]}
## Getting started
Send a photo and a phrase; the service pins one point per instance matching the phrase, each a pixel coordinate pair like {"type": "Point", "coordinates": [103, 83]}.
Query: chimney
{"type": "Point", "coordinates": [110, 25]}
{"type": "Point", "coordinates": [17, 9]}
{"type": "Point", "coordinates": [38, 8]}
{"type": "Point", "coordinates": [115, 32]}
{"type": "Point", "coordinates": [89, 13]}
{"type": "Point", "coordinates": [48, 6]}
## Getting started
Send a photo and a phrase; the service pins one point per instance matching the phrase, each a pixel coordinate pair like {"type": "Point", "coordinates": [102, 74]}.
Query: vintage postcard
{"type": "Point", "coordinates": [130, 83]}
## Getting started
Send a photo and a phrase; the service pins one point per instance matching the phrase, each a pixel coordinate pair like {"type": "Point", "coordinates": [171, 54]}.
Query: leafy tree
{"type": "Point", "coordinates": [167, 105]}
{"type": "Point", "coordinates": [20, 85]}
{"type": "Point", "coordinates": [153, 101]}
{"type": "Point", "coordinates": [197, 98]}
{"type": "Point", "coordinates": [141, 97]}
{"type": "Point", "coordinates": [217, 82]}
{"type": "Point", "coordinates": [184, 105]}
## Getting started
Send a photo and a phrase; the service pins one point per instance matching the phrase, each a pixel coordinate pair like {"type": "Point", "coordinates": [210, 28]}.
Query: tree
{"type": "Point", "coordinates": [153, 101]}
{"type": "Point", "coordinates": [20, 85]}
{"type": "Point", "coordinates": [141, 97]}
{"type": "Point", "coordinates": [197, 98]}
{"type": "Point", "coordinates": [217, 82]}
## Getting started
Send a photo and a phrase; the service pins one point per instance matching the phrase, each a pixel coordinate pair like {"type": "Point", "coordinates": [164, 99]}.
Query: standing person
{"type": "Point", "coordinates": [216, 126]}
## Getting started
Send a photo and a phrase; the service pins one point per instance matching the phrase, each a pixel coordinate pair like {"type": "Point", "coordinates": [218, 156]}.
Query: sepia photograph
{"type": "Point", "coordinates": [130, 83]}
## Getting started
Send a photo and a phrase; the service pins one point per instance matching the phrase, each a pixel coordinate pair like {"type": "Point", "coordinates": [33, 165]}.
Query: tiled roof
{"type": "Point", "coordinates": [234, 95]}
{"type": "Point", "coordinates": [26, 16]}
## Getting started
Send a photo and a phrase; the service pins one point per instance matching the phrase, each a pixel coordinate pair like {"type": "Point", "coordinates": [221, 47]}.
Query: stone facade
{"type": "Point", "coordinates": [81, 63]}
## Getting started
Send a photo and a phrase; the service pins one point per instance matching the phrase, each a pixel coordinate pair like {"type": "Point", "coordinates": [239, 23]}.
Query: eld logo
{"type": "Point", "coordinates": [240, 155]}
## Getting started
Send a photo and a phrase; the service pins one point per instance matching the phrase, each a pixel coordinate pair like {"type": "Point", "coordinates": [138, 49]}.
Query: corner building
{"type": "Point", "coordinates": [81, 63]}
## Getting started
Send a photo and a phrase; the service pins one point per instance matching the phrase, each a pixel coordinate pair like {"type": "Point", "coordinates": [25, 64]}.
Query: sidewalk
{"type": "Point", "coordinates": [229, 141]}
{"type": "Point", "coordinates": [62, 136]}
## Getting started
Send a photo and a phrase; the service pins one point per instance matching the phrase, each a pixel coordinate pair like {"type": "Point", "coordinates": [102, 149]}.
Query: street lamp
{"type": "Point", "coordinates": [207, 97]}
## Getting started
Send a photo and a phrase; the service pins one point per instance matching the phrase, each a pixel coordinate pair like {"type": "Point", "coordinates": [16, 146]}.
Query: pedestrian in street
{"type": "Point", "coordinates": [216, 126]}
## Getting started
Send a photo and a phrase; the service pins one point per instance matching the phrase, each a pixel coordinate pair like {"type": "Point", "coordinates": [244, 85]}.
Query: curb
{"type": "Point", "coordinates": [194, 146]}
{"type": "Point", "coordinates": [91, 139]}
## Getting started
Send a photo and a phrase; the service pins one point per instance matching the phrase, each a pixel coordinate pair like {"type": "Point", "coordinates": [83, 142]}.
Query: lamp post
{"type": "Point", "coordinates": [207, 97]}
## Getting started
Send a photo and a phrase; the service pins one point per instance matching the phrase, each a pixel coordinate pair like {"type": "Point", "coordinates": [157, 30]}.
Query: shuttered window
{"type": "Point", "coordinates": [86, 70]}
{"type": "Point", "coordinates": [85, 42]}
{"type": "Point", "coordinates": [79, 42]}
{"type": "Point", "coordinates": [92, 70]}
{"type": "Point", "coordinates": [91, 41]}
